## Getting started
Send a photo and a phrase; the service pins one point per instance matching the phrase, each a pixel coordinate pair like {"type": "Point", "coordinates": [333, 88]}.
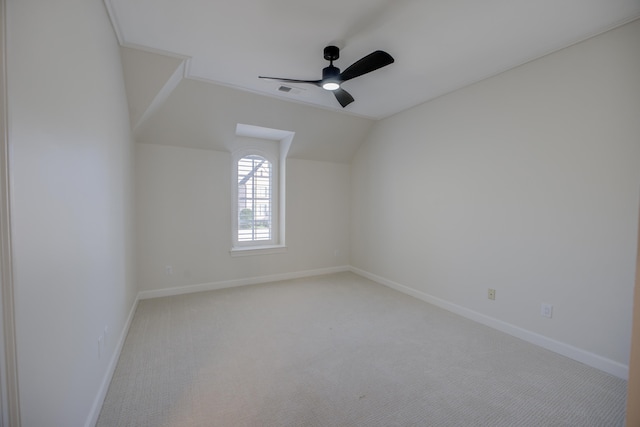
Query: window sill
{"type": "Point", "coordinates": [257, 250]}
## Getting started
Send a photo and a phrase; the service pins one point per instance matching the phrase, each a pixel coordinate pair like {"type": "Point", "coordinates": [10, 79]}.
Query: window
{"type": "Point", "coordinates": [256, 201]}
{"type": "Point", "coordinates": [258, 190]}
{"type": "Point", "coordinates": [255, 205]}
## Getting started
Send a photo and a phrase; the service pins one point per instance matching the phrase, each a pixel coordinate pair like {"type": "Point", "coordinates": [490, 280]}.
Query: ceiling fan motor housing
{"type": "Point", "coordinates": [330, 72]}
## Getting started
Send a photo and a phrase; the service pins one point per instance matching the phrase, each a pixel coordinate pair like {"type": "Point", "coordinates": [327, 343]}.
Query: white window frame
{"type": "Point", "coordinates": [274, 189]}
{"type": "Point", "coordinates": [276, 243]}
{"type": "Point", "coordinates": [273, 145]}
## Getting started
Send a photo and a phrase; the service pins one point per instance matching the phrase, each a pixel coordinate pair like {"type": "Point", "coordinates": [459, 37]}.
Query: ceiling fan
{"type": "Point", "coordinates": [332, 78]}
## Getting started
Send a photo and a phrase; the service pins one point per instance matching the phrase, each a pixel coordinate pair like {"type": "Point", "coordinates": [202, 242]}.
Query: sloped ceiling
{"type": "Point", "coordinates": [148, 76]}
{"type": "Point", "coordinates": [202, 115]}
{"type": "Point", "coordinates": [220, 47]}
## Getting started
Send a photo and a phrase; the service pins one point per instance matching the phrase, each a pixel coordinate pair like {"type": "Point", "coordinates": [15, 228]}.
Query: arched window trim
{"type": "Point", "coordinates": [253, 247]}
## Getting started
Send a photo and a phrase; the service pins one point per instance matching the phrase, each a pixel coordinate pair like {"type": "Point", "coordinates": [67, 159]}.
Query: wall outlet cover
{"type": "Point", "coordinates": [546, 310]}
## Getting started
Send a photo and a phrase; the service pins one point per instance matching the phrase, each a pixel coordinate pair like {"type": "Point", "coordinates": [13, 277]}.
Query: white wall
{"type": "Point", "coordinates": [183, 219]}
{"type": "Point", "coordinates": [70, 168]}
{"type": "Point", "coordinates": [527, 183]}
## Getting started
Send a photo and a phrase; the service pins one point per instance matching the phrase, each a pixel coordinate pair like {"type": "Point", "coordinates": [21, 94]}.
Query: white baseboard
{"type": "Point", "coordinates": [156, 293]}
{"type": "Point", "coordinates": [591, 359]}
{"type": "Point", "coordinates": [92, 419]}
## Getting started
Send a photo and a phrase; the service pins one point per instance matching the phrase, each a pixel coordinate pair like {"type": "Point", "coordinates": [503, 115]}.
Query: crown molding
{"type": "Point", "coordinates": [115, 23]}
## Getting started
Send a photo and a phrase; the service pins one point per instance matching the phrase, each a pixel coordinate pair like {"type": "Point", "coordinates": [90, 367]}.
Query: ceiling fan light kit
{"type": "Point", "coordinates": [330, 86]}
{"type": "Point", "coordinates": [332, 78]}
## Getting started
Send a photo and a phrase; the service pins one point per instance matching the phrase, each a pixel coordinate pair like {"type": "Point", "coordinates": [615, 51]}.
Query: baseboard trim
{"type": "Point", "coordinates": [591, 359]}
{"type": "Point", "coordinates": [92, 419]}
{"type": "Point", "coordinates": [157, 293]}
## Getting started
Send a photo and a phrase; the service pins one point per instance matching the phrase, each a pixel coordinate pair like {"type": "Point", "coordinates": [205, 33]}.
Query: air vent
{"type": "Point", "coordinates": [290, 90]}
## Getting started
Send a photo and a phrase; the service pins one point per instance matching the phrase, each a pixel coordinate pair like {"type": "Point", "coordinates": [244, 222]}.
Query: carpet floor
{"type": "Point", "coordinates": [341, 350]}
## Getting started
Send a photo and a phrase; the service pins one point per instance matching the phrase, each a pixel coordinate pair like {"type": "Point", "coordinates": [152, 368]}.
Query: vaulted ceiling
{"type": "Point", "coordinates": [196, 54]}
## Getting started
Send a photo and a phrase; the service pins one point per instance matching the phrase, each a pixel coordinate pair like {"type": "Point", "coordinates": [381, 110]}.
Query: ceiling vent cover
{"type": "Point", "coordinates": [290, 90]}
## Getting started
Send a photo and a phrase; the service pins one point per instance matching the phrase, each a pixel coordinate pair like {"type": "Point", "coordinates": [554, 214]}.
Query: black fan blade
{"type": "Point", "coordinates": [313, 82]}
{"type": "Point", "coordinates": [369, 63]}
{"type": "Point", "coordinates": [343, 97]}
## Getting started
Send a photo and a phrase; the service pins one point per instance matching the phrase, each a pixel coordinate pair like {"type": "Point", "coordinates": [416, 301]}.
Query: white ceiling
{"type": "Point", "coordinates": [438, 45]}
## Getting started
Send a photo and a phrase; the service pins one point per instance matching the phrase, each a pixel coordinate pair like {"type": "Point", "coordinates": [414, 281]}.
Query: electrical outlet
{"type": "Point", "coordinates": [168, 270]}
{"type": "Point", "coordinates": [492, 294]}
{"type": "Point", "coordinates": [546, 310]}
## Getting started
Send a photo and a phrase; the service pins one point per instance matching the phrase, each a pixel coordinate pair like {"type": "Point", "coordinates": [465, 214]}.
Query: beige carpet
{"type": "Point", "coordinates": [340, 350]}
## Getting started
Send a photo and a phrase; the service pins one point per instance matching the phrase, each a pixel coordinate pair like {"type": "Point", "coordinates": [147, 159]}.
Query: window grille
{"type": "Point", "coordinates": [255, 185]}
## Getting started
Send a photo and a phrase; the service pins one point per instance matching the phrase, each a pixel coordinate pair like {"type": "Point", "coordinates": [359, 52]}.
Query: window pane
{"type": "Point", "coordinates": [254, 199]}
